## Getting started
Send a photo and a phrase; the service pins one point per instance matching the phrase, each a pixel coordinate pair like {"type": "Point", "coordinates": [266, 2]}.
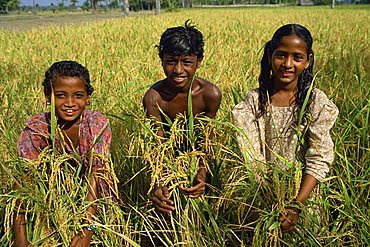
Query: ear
{"type": "Point", "coordinates": [199, 62]}
{"type": "Point", "coordinates": [88, 101]}
{"type": "Point", "coordinates": [269, 61]}
{"type": "Point", "coordinates": [308, 63]}
{"type": "Point", "coordinates": [48, 98]}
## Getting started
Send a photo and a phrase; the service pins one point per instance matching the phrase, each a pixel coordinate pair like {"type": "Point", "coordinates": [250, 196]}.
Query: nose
{"type": "Point", "coordinates": [178, 69]}
{"type": "Point", "coordinates": [288, 63]}
{"type": "Point", "coordinates": [70, 101]}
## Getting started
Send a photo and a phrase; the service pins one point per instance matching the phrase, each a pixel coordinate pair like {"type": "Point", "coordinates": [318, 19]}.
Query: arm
{"type": "Point", "coordinates": [151, 103]}
{"type": "Point", "coordinates": [30, 143]}
{"type": "Point", "coordinates": [319, 155]}
{"type": "Point", "coordinates": [20, 226]}
{"type": "Point", "coordinates": [83, 238]}
{"type": "Point", "coordinates": [161, 196]}
{"type": "Point", "coordinates": [290, 218]}
{"type": "Point", "coordinates": [249, 133]}
{"type": "Point", "coordinates": [212, 99]}
{"type": "Point", "coordinates": [100, 179]}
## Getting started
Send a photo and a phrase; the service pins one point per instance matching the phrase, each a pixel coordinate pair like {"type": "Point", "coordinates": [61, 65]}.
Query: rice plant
{"type": "Point", "coordinates": [123, 62]}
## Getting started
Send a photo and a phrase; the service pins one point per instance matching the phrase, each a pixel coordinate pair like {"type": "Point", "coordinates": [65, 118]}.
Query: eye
{"type": "Point", "coordinates": [187, 62]}
{"type": "Point", "coordinates": [298, 58]}
{"type": "Point", "coordinates": [79, 95]}
{"type": "Point", "coordinates": [279, 54]}
{"type": "Point", "coordinates": [59, 95]}
{"type": "Point", "coordinates": [170, 62]}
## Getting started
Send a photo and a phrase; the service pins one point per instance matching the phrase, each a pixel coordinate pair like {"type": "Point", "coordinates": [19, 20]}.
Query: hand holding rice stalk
{"type": "Point", "coordinates": [175, 159]}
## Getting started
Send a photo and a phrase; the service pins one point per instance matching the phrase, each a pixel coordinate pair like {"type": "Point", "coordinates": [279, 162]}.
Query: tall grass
{"type": "Point", "coordinates": [123, 63]}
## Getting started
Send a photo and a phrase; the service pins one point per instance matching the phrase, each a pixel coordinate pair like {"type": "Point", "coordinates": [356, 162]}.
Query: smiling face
{"type": "Point", "coordinates": [71, 99]}
{"type": "Point", "coordinates": [288, 61]}
{"type": "Point", "coordinates": [180, 70]}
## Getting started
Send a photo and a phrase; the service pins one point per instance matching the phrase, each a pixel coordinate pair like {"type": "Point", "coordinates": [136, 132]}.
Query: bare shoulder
{"type": "Point", "coordinates": [211, 95]}
{"type": "Point", "coordinates": [209, 90]}
{"type": "Point", "coordinates": [152, 96]}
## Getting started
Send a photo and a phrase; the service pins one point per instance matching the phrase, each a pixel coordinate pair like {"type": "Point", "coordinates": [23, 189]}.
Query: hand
{"type": "Point", "coordinates": [23, 244]}
{"type": "Point", "coordinates": [82, 239]}
{"type": "Point", "coordinates": [199, 185]}
{"type": "Point", "coordinates": [289, 219]}
{"type": "Point", "coordinates": [161, 200]}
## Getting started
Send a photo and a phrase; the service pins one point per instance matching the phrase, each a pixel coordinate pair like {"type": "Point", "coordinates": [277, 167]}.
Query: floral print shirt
{"type": "Point", "coordinates": [94, 143]}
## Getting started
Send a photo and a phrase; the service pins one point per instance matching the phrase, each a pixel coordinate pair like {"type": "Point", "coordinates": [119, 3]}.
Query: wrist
{"type": "Point", "coordinates": [87, 234]}
{"type": "Point", "coordinates": [296, 205]}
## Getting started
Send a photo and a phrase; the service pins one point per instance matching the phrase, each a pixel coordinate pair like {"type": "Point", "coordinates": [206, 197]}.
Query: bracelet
{"type": "Point", "coordinates": [297, 205]}
{"type": "Point", "coordinates": [90, 228]}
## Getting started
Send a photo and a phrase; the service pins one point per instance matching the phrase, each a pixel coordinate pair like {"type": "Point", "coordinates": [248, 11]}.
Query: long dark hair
{"type": "Point", "coordinates": [266, 76]}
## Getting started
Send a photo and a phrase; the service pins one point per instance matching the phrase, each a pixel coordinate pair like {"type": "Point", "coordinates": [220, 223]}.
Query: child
{"type": "Point", "coordinates": [181, 52]}
{"type": "Point", "coordinates": [79, 129]}
{"type": "Point", "coordinates": [269, 115]}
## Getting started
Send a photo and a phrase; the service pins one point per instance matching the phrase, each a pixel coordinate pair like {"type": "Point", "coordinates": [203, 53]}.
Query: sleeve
{"type": "Point", "coordinates": [33, 139]}
{"type": "Point", "coordinates": [248, 131]}
{"type": "Point", "coordinates": [101, 158]}
{"type": "Point", "coordinates": [320, 153]}
{"type": "Point", "coordinates": [101, 145]}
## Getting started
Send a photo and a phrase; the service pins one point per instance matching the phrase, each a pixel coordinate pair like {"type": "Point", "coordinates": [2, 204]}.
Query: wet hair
{"type": "Point", "coordinates": [266, 76]}
{"type": "Point", "coordinates": [181, 41]}
{"type": "Point", "coordinates": [66, 69]}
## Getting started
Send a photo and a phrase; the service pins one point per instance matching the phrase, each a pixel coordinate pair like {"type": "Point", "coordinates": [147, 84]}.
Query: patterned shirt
{"type": "Point", "coordinates": [94, 141]}
{"type": "Point", "coordinates": [274, 135]}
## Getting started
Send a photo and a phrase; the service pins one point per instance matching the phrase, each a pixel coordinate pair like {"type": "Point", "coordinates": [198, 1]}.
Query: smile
{"type": "Point", "coordinates": [287, 73]}
{"type": "Point", "coordinates": [69, 111]}
{"type": "Point", "coordinates": [178, 79]}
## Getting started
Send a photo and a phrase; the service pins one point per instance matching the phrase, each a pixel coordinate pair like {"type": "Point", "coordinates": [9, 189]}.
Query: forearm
{"type": "Point", "coordinates": [20, 229]}
{"type": "Point", "coordinates": [20, 223]}
{"type": "Point", "coordinates": [92, 197]}
{"type": "Point", "coordinates": [307, 185]}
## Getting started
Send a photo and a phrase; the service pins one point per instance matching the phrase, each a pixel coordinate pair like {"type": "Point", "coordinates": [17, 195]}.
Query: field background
{"type": "Point", "coordinates": [123, 63]}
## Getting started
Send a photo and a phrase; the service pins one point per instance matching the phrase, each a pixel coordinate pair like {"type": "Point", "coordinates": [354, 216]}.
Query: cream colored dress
{"type": "Point", "coordinates": [273, 138]}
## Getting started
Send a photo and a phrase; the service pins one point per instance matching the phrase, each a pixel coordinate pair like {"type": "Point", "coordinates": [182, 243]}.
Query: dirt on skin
{"type": "Point", "coordinates": [28, 21]}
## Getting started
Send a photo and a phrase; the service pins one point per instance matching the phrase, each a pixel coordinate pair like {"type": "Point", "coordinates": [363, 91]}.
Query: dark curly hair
{"type": "Point", "coordinates": [266, 76]}
{"type": "Point", "coordinates": [181, 41]}
{"type": "Point", "coordinates": [66, 69]}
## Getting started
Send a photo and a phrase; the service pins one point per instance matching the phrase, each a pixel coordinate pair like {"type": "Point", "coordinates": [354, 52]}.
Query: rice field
{"type": "Point", "coordinates": [123, 64]}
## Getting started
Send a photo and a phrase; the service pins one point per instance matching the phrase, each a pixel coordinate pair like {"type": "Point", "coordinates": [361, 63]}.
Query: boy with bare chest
{"type": "Point", "coordinates": [181, 53]}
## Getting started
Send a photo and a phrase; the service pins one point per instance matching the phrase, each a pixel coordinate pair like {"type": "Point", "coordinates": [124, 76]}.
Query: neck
{"type": "Point", "coordinates": [65, 125]}
{"type": "Point", "coordinates": [283, 97]}
{"type": "Point", "coordinates": [180, 90]}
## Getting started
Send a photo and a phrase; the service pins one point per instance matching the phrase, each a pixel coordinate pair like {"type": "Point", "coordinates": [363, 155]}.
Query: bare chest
{"type": "Point", "coordinates": [179, 105]}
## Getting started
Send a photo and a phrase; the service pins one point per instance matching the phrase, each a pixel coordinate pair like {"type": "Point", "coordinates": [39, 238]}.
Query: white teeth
{"type": "Point", "coordinates": [69, 111]}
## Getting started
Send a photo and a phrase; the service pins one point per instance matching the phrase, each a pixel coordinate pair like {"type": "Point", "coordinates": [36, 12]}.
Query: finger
{"type": "Point", "coordinates": [74, 242]}
{"type": "Point", "coordinates": [197, 193]}
{"type": "Point", "coordinates": [199, 186]}
{"type": "Point", "coordinates": [281, 217]}
{"type": "Point", "coordinates": [200, 178]}
{"type": "Point", "coordinates": [162, 199]}
{"type": "Point", "coordinates": [163, 206]}
{"type": "Point", "coordinates": [285, 224]}
{"type": "Point", "coordinates": [165, 202]}
{"type": "Point", "coordinates": [163, 210]}
{"type": "Point", "coordinates": [291, 228]}
{"type": "Point", "coordinates": [288, 228]}
{"type": "Point", "coordinates": [165, 192]}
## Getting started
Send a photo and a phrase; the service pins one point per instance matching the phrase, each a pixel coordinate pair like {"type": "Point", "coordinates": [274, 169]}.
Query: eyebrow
{"type": "Point", "coordinates": [61, 91]}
